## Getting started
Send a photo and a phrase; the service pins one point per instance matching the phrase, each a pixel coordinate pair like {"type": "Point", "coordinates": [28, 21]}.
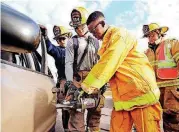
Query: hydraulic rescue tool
{"type": "Point", "coordinates": [76, 98]}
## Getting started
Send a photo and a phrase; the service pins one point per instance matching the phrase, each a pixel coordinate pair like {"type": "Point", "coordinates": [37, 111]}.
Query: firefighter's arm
{"type": "Point", "coordinates": [51, 49]}
{"type": "Point", "coordinates": [108, 64]}
{"type": "Point", "coordinates": [175, 51]}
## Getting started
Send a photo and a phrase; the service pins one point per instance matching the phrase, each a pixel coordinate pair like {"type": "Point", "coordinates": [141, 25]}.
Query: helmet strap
{"type": "Point", "coordinates": [158, 41]}
{"type": "Point", "coordinates": [86, 33]}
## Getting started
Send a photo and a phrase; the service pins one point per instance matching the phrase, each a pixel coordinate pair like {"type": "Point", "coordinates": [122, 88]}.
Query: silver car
{"type": "Point", "coordinates": [27, 102]}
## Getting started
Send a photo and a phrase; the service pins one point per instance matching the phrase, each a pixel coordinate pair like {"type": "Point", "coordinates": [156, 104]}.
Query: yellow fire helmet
{"type": "Point", "coordinates": [79, 16]}
{"type": "Point", "coordinates": [152, 27]}
{"type": "Point", "coordinates": [61, 31]}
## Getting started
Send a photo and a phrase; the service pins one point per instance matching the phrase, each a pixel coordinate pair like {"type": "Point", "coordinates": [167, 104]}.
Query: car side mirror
{"type": "Point", "coordinates": [19, 33]}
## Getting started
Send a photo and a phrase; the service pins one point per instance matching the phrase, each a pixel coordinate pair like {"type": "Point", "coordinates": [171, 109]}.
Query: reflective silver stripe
{"type": "Point", "coordinates": [168, 83]}
{"type": "Point", "coordinates": [166, 64]}
{"type": "Point", "coordinates": [163, 64]}
{"type": "Point", "coordinates": [176, 57]}
{"type": "Point", "coordinates": [169, 61]}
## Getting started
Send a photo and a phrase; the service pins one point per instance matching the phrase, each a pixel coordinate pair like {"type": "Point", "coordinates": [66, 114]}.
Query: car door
{"type": "Point", "coordinates": [28, 105]}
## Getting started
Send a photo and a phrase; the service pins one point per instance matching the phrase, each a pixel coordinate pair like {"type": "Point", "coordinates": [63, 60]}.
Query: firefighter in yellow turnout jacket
{"type": "Point", "coordinates": [131, 77]}
{"type": "Point", "coordinates": [163, 54]}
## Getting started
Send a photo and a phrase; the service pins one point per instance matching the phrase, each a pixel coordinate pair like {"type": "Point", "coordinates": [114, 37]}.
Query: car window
{"type": "Point", "coordinates": [8, 56]}
{"type": "Point", "coordinates": [42, 51]}
{"type": "Point", "coordinates": [15, 58]}
{"type": "Point", "coordinates": [38, 58]}
{"type": "Point", "coordinates": [21, 60]}
{"type": "Point", "coordinates": [32, 60]}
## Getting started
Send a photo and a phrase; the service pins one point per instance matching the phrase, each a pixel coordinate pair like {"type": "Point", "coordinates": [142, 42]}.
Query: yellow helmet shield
{"type": "Point", "coordinates": [60, 31]}
{"type": "Point", "coordinates": [79, 16]}
{"type": "Point", "coordinates": [152, 27]}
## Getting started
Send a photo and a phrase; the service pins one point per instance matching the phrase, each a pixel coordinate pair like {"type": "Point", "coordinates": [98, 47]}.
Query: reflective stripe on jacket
{"type": "Point", "coordinates": [131, 77]}
{"type": "Point", "coordinates": [165, 61]}
{"type": "Point", "coordinates": [166, 67]}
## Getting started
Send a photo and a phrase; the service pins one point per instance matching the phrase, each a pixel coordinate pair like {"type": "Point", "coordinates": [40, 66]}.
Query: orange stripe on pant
{"type": "Point", "coordinates": [145, 119]}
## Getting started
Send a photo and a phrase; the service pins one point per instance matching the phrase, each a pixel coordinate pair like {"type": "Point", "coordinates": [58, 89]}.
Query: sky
{"type": "Point", "coordinates": [131, 14]}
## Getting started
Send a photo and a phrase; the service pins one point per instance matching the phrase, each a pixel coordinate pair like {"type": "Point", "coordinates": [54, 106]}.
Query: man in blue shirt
{"type": "Point", "coordinates": [62, 35]}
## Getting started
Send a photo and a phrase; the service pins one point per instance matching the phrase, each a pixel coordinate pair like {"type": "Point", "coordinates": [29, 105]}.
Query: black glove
{"type": "Point", "coordinates": [43, 30]}
{"type": "Point", "coordinates": [70, 88]}
{"type": "Point", "coordinates": [103, 88]}
{"type": "Point", "coordinates": [67, 85]}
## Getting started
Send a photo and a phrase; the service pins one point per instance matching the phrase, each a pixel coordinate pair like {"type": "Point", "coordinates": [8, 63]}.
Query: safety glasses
{"type": "Point", "coordinates": [94, 29]}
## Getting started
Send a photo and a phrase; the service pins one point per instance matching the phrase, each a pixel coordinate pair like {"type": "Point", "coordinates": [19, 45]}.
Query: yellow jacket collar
{"type": "Point", "coordinates": [106, 39]}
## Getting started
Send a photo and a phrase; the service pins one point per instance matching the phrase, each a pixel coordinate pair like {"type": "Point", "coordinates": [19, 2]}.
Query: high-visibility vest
{"type": "Point", "coordinates": [166, 66]}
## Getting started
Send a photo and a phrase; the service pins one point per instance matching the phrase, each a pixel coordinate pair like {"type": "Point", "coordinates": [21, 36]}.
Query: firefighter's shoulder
{"type": "Point", "coordinates": [171, 40]}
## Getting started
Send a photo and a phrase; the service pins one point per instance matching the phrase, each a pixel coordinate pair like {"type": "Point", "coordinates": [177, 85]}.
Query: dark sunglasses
{"type": "Point", "coordinates": [61, 38]}
{"type": "Point", "coordinates": [94, 29]}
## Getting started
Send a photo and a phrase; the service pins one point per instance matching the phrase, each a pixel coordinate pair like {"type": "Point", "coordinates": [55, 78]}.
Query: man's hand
{"type": "Point", "coordinates": [43, 30]}
{"type": "Point", "coordinates": [70, 88]}
{"type": "Point", "coordinates": [89, 90]}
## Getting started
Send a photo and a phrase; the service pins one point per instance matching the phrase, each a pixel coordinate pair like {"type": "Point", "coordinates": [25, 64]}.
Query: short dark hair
{"type": "Point", "coordinates": [94, 16]}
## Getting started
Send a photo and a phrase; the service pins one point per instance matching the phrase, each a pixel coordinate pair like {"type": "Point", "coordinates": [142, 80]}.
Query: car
{"type": "Point", "coordinates": [27, 101]}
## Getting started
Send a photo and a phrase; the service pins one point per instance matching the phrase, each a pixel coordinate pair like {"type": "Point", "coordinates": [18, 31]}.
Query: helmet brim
{"type": "Point", "coordinates": [63, 35]}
